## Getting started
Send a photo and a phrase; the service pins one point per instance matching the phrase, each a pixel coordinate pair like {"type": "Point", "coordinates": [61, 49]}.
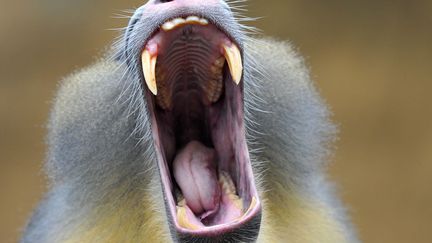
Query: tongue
{"type": "Point", "coordinates": [196, 174]}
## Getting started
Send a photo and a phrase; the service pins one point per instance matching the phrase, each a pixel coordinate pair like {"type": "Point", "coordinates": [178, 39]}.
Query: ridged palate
{"type": "Point", "coordinates": [187, 68]}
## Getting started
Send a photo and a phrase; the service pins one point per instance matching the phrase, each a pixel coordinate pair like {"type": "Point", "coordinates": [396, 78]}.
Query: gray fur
{"type": "Point", "coordinates": [289, 115]}
{"type": "Point", "coordinates": [92, 151]}
{"type": "Point", "coordinates": [100, 140]}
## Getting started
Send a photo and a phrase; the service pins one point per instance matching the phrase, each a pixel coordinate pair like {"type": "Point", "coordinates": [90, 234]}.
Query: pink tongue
{"type": "Point", "coordinates": [195, 173]}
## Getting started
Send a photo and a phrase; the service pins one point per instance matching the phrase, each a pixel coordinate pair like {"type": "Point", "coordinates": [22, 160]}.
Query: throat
{"type": "Point", "coordinates": [190, 117]}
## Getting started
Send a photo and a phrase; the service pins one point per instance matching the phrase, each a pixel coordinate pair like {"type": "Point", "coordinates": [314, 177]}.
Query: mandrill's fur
{"type": "Point", "coordinates": [105, 185]}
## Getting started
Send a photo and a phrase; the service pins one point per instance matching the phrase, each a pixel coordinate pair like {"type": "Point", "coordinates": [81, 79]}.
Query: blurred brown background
{"type": "Point", "coordinates": [370, 59]}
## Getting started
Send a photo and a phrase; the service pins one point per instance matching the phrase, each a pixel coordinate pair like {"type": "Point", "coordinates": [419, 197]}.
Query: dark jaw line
{"type": "Point", "coordinates": [246, 232]}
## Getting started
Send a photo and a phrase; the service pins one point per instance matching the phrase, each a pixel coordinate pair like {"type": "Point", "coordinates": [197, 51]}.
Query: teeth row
{"type": "Point", "coordinates": [215, 84]}
{"type": "Point", "coordinates": [230, 190]}
{"type": "Point", "coordinates": [163, 98]}
{"type": "Point", "coordinates": [172, 24]}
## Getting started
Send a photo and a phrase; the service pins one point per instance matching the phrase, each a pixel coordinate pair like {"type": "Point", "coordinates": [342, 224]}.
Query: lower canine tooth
{"type": "Point", "coordinates": [234, 59]}
{"type": "Point", "coordinates": [149, 66]}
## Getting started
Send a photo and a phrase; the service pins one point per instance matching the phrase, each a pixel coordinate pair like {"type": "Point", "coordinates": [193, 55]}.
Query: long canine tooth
{"type": "Point", "coordinates": [232, 55]}
{"type": "Point", "coordinates": [149, 67]}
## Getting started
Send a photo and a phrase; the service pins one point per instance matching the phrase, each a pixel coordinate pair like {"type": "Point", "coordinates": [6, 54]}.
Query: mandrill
{"type": "Point", "coordinates": [189, 130]}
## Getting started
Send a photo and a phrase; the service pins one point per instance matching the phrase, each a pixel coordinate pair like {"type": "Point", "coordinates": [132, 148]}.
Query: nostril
{"type": "Point", "coordinates": [163, 1]}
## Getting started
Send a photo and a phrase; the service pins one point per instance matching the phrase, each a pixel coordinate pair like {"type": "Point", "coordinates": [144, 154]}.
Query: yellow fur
{"type": "Point", "coordinates": [287, 217]}
{"type": "Point", "coordinates": [123, 225]}
{"type": "Point", "coordinates": [291, 218]}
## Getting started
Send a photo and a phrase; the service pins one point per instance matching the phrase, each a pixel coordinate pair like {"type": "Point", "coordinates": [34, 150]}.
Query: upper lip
{"type": "Point", "coordinates": [186, 14]}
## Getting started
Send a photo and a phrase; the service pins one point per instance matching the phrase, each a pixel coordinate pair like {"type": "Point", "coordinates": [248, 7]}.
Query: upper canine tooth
{"type": "Point", "coordinates": [234, 59]}
{"type": "Point", "coordinates": [149, 67]}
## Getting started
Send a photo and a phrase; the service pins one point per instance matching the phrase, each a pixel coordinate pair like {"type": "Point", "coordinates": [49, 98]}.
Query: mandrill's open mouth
{"type": "Point", "coordinates": [193, 72]}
